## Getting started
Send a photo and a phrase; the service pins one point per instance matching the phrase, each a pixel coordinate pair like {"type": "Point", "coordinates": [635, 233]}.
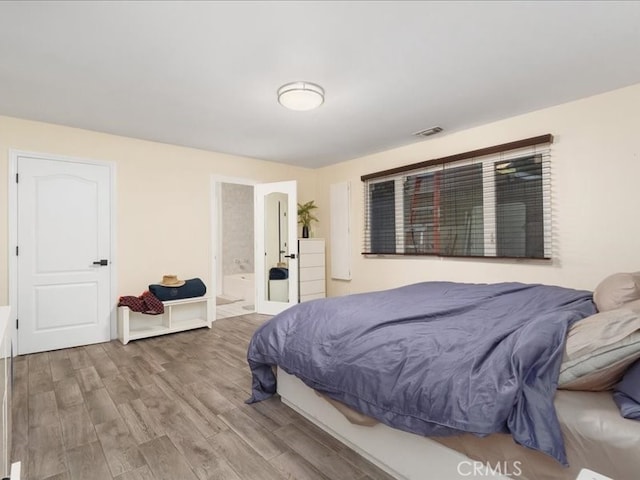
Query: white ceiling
{"type": "Point", "coordinates": [205, 74]}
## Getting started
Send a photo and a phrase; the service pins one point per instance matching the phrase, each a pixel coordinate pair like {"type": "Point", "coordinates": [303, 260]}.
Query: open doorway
{"type": "Point", "coordinates": [234, 247]}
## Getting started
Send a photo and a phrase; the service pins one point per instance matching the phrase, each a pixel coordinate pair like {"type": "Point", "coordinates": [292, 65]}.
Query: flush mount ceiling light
{"type": "Point", "coordinates": [301, 96]}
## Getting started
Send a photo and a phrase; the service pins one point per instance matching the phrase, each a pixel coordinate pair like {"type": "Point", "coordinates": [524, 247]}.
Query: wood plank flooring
{"type": "Point", "coordinates": [169, 407]}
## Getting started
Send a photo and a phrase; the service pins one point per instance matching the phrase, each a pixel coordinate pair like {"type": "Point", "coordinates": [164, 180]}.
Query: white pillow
{"type": "Point", "coordinates": [599, 348]}
{"type": "Point", "coordinates": [616, 290]}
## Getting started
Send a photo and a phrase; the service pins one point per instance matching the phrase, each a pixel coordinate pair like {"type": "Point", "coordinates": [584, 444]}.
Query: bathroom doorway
{"type": "Point", "coordinates": [234, 240]}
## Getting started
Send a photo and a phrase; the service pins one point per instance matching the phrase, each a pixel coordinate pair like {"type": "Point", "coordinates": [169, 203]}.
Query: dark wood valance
{"type": "Point", "coordinates": [505, 147]}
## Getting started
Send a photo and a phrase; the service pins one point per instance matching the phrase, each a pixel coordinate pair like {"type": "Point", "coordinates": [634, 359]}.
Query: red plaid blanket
{"type": "Point", "coordinates": [145, 303]}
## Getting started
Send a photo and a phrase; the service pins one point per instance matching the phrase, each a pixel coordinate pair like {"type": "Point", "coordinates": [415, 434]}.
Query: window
{"type": "Point", "coordinates": [383, 224]}
{"type": "Point", "coordinates": [468, 205]}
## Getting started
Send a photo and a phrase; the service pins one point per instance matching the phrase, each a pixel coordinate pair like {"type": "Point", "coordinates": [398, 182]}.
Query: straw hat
{"type": "Point", "coordinates": [171, 281]}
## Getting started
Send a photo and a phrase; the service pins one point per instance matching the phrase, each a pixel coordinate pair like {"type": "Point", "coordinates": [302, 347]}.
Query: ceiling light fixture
{"type": "Point", "coordinates": [301, 96]}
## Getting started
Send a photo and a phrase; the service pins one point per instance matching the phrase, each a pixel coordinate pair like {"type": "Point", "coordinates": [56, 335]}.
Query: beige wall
{"type": "Point", "coordinates": [596, 172]}
{"type": "Point", "coordinates": [163, 197]}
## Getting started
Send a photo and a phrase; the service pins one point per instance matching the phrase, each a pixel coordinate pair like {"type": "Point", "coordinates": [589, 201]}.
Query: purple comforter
{"type": "Point", "coordinates": [434, 358]}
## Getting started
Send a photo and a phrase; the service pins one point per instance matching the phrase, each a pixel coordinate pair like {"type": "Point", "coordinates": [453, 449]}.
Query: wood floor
{"type": "Point", "coordinates": [169, 407]}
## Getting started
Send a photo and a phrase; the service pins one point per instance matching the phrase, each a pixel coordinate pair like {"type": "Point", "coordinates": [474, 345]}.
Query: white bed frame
{"type": "Point", "coordinates": [403, 455]}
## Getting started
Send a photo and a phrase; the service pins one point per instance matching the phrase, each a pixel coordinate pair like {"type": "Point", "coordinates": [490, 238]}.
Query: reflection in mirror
{"type": "Point", "coordinates": [276, 234]}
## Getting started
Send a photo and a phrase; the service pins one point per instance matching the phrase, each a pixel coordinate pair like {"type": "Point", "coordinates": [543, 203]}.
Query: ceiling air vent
{"type": "Point", "coordinates": [427, 132]}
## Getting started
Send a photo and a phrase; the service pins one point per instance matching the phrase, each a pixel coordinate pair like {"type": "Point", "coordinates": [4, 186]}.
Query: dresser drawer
{"type": "Point", "coordinates": [311, 246]}
{"type": "Point", "coordinates": [311, 287]}
{"type": "Point", "coordinates": [312, 260]}
{"type": "Point", "coordinates": [315, 296]}
{"type": "Point", "coordinates": [311, 273]}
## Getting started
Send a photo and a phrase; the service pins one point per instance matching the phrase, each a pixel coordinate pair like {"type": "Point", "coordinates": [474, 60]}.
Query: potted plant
{"type": "Point", "coordinates": [305, 216]}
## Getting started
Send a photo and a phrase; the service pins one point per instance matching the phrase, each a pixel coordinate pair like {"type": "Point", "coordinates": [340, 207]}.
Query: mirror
{"type": "Point", "coordinates": [276, 234]}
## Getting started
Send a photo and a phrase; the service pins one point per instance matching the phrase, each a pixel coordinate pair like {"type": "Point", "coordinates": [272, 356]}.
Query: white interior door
{"type": "Point", "coordinates": [63, 263]}
{"type": "Point", "coordinates": [276, 256]}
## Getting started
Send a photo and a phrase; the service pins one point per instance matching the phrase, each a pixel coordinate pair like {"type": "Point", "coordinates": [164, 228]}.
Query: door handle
{"type": "Point", "coordinates": [102, 263]}
{"type": "Point", "coordinates": [292, 256]}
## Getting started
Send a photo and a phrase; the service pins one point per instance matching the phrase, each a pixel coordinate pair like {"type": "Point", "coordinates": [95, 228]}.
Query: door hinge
{"type": "Point", "coordinates": [17, 249]}
{"type": "Point", "coordinates": [16, 324]}
{"type": "Point", "coordinates": [16, 178]}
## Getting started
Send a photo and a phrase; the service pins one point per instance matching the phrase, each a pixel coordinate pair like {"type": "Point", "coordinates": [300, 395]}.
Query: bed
{"type": "Point", "coordinates": [441, 360]}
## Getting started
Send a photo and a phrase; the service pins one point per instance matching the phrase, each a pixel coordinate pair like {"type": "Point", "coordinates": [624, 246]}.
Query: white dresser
{"type": "Point", "coordinates": [311, 275]}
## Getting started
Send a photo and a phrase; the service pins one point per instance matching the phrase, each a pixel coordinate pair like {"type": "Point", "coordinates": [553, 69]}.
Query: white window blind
{"type": "Point", "coordinates": [493, 202]}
